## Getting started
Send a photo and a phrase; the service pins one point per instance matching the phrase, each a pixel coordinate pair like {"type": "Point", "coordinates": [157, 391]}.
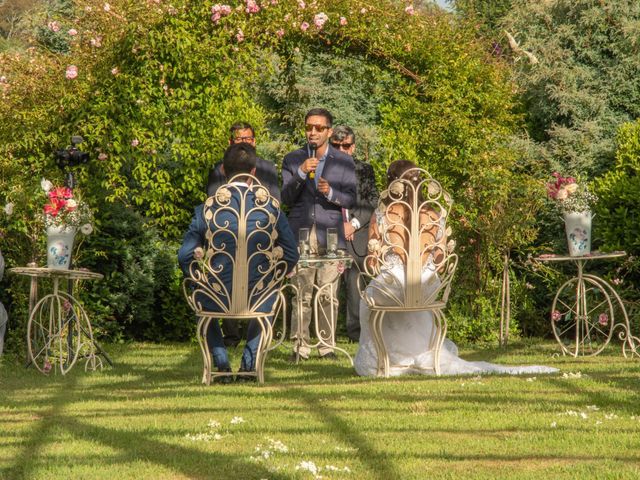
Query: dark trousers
{"type": "Point", "coordinates": [231, 330]}
{"type": "Point", "coordinates": [353, 303]}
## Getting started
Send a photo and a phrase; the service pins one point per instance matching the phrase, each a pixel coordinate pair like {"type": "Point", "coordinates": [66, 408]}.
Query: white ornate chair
{"type": "Point", "coordinates": [238, 223]}
{"type": "Point", "coordinates": [426, 207]}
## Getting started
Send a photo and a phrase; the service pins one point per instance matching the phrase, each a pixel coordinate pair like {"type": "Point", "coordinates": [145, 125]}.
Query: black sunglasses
{"type": "Point", "coordinates": [345, 146]}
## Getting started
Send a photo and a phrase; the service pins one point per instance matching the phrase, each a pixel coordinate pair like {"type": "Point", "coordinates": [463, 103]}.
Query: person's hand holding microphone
{"type": "Point", "coordinates": [310, 164]}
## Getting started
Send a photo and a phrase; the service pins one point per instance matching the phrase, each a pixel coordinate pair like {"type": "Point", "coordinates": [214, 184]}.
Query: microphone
{"type": "Point", "coordinates": [312, 147]}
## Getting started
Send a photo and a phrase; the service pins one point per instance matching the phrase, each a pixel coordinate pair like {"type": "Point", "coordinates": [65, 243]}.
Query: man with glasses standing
{"type": "Point", "coordinates": [267, 175]}
{"type": "Point", "coordinates": [318, 181]}
{"type": "Point", "coordinates": [356, 224]}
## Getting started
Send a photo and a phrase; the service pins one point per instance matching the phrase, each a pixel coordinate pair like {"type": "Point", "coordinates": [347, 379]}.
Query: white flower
{"type": "Point", "coordinates": [106, 7]}
{"type": "Point", "coordinates": [8, 208]}
{"type": "Point", "coordinates": [86, 229]}
{"type": "Point", "coordinates": [237, 420]}
{"type": "Point", "coordinates": [562, 194]}
{"type": "Point", "coordinates": [554, 424]}
{"type": "Point", "coordinates": [213, 424]}
{"type": "Point", "coordinates": [72, 204]}
{"type": "Point", "coordinates": [198, 253]}
{"type": "Point", "coordinates": [309, 466]}
{"type": "Point", "coordinates": [46, 185]}
{"type": "Point", "coordinates": [433, 188]}
{"type": "Point", "coordinates": [115, 71]}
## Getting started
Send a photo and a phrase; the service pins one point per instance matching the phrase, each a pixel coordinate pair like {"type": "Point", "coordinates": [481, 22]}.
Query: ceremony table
{"type": "Point", "coordinates": [319, 293]}
{"type": "Point", "coordinates": [583, 313]}
{"type": "Point", "coordinates": [58, 330]}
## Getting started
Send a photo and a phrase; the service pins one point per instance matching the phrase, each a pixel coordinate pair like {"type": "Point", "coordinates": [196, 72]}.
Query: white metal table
{"type": "Point", "coordinates": [58, 330]}
{"type": "Point", "coordinates": [319, 293]}
{"type": "Point", "coordinates": [583, 313]}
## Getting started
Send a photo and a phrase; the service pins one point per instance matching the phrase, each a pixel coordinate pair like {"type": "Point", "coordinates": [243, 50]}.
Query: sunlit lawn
{"type": "Point", "coordinates": [141, 420]}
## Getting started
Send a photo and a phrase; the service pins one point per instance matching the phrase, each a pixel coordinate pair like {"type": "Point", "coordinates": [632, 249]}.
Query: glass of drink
{"type": "Point", "coordinates": [303, 242]}
{"type": "Point", "coordinates": [332, 242]}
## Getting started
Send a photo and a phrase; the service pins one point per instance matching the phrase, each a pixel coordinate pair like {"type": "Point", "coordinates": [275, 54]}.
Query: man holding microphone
{"type": "Point", "coordinates": [318, 181]}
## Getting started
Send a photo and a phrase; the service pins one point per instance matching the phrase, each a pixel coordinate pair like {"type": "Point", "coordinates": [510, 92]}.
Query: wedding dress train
{"type": "Point", "coordinates": [408, 336]}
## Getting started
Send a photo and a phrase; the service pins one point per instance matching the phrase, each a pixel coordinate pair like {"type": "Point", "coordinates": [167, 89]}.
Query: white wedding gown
{"type": "Point", "coordinates": [407, 335]}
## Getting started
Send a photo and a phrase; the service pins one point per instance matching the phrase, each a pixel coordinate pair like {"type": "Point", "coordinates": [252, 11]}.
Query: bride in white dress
{"type": "Point", "coordinates": [409, 336]}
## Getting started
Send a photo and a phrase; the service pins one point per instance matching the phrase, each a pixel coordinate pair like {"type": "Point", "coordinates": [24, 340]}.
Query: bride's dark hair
{"type": "Point", "coordinates": [401, 169]}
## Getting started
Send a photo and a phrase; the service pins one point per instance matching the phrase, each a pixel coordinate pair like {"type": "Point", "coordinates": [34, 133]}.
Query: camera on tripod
{"type": "Point", "coordinates": [71, 157]}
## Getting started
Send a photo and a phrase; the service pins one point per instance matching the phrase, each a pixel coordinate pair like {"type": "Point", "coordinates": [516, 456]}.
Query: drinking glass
{"type": "Point", "coordinates": [303, 242]}
{"type": "Point", "coordinates": [332, 242]}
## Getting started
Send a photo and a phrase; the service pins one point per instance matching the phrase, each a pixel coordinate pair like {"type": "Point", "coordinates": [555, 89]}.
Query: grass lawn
{"type": "Point", "coordinates": [150, 418]}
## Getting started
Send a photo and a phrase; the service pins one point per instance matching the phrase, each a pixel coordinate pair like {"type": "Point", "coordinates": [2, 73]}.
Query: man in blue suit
{"type": "Point", "coordinates": [238, 159]}
{"type": "Point", "coordinates": [266, 173]}
{"type": "Point", "coordinates": [318, 181]}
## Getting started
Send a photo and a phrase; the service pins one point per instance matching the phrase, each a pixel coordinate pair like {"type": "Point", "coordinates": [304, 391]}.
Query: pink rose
{"type": "Point", "coordinates": [215, 18]}
{"type": "Point", "coordinates": [73, 32]}
{"type": "Point", "coordinates": [135, 142]}
{"type": "Point", "coordinates": [409, 10]}
{"type": "Point", "coordinates": [72, 72]}
{"type": "Point", "coordinates": [240, 35]}
{"type": "Point", "coordinates": [556, 315]}
{"type": "Point", "coordinates": [115, 71]}
{"type": "Point", "coordinates": [252, 7]}
{"type": "Point", "coordinates": [304, 27]}
{"type": "Point", "coordinates": [274, 2]}
{"type": "Point", "coordinates": [198, 253]}
{"type": "Point", "coordinates": [301, 4]}
{"type": "Point", "coordinates": [96, 42]}
{"type": "Point", "coordinates": [280, 33]}
{"type": "Point", "coordinates": [343, 21]}
{"type": "Point", "coordinates": [106, 7]}
{"type": "Point", "coordinates": [320, 19]}
{"type": "Point", "coordinates": [603, 319]}
{"type": "Point", "coordinates": [54, 26]}
{"type": "Point", "coordinates": [363, 11]}
{"type": "Point", "coordinates": [102, 156]}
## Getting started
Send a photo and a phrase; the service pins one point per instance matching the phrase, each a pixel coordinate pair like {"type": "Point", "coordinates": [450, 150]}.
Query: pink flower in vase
{"type": "Point", "coordinates": [556, 316]}
{"type": "Point", "coordinates": [603, 319]}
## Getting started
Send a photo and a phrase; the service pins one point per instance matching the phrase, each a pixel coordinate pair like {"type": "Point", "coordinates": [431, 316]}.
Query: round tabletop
{"type": "Point", "coordinates": [312, 260]}
{"type": "Point", "coordinates": [552, 257]}
{"type": "Point", "coordinates": [54, 273]}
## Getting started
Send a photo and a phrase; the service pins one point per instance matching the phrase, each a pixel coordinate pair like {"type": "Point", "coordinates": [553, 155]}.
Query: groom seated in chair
{"type": "Point", "coordinates": [218, 233]}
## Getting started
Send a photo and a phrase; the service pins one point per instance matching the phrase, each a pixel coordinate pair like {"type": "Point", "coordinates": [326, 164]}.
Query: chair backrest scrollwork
{"type": "Point", "coordinates": [414, 237]}
{"type": "Point", "coordinates": [241, 269]}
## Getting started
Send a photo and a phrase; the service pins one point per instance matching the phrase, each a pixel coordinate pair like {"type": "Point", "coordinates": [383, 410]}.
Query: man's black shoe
{"type": "Point", "coordinates": [246, 378]}
{"type": "Point", "coordinates": [226, 379]}
{"type": "Point", "coordinates": [329, 356]}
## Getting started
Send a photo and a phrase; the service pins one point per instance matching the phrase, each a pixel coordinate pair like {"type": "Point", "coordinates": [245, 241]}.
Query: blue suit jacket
{"type": "Point", "coordinates": [306, 205]}
{"type": "Point", "coordinates": [195, 237]}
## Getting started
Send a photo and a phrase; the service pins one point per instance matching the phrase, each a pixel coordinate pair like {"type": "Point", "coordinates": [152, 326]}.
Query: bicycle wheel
{"type": "Point", "coordinates": [582, 317]}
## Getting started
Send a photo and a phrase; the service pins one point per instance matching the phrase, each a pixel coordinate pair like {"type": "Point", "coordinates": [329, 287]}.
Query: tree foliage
{"type": "Point", "coordinates": [587, 79]}
{"type": "Point", "coordinates": [158, 85]}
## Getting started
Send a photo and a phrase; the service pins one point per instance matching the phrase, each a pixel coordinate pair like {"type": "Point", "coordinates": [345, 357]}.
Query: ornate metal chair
{"type": "Point", "coordinates": [412, 224]}
{"type": "Point", "coordinates": [241, 271]}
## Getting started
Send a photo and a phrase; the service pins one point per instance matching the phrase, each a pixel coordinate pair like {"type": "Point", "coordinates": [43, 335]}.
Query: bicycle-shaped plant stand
{"type": "Point", "coordinates": [58, 331]}
{"type": "Point", "coordinates": [583, 313]}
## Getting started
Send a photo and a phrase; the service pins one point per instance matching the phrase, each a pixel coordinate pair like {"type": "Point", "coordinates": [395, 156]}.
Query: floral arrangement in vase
{"type": "Point", "coordinates": [64, 214]}
{"type": "Point", "coordinates": [574, 201]}
{"type": "Point", "coordinates": [569, 195]}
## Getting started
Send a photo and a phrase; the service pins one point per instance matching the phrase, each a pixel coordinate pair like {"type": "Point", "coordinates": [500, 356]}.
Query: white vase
{"type": "Point", "coordinates": [59, 247]}
{"type": "Point", "coordinates": [578, 228]}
